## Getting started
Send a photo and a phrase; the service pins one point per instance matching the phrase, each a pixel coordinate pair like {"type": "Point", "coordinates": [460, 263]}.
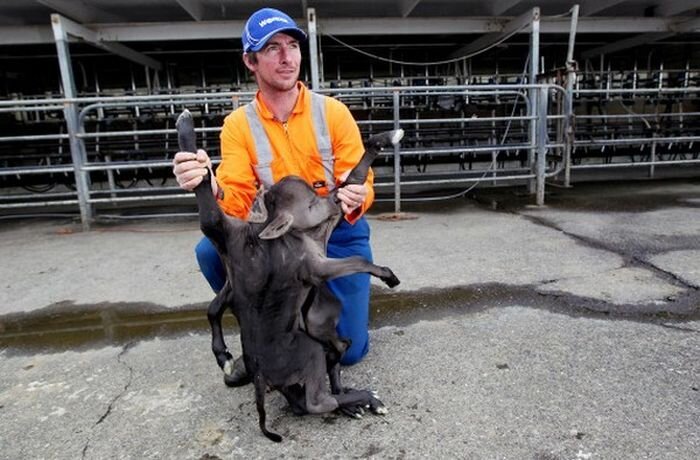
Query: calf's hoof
{"type": "Point", "coordinates": [390, 279]}
{"type": "Point", "coordinates": [235, 374]}
{"type": "Point", "coordinates": [376, 406]}
{"type": "Point", "coordinates": [353, 411]}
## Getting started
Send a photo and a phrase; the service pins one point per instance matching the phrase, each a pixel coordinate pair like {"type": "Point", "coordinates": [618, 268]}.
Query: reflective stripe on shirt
{"type": "Point", "coordinates": [323, 139]}
{"type": "Point", "coordinates": [263, 149]}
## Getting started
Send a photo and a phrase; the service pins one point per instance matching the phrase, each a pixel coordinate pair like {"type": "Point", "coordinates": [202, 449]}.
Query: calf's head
{"type": "Point", "coordinates": [291, 204]}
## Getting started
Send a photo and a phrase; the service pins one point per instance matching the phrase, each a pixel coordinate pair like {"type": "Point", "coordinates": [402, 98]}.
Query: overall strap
{"type": "Point", "coordinates": [263, 149]}
{"type": "Point", "coordinates": [323, 138]}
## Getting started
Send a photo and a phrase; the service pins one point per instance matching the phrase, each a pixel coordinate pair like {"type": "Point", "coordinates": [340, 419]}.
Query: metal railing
{"type": "Point", "coordinates": [494, 133]}
{"type": "Point", "coordinates": [636, 128]}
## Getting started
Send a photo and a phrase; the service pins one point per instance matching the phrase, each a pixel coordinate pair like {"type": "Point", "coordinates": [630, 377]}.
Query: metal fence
{"type": "Point", "coordinates": [642, 127]}
{"type": "Point", "coordinates": [121, 147]}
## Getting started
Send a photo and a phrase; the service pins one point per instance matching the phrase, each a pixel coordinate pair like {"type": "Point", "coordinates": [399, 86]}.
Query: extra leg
{"type": "Point", "coordinates": [321, 319]}
{"type": "Point", "coordinates": [318, 398]}
{"type": "Point", "coordinates": [296, 397]}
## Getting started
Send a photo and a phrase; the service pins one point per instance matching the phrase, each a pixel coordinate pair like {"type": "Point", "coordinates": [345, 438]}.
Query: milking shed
{"type": "Point", "coordinates": [489, 92]}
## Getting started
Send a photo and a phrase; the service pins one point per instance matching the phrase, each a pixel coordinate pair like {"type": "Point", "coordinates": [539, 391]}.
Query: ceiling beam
{"type": "Point", "coordinates": [81, 11]}
{"type": "Point", "coordinates": [481, 25]}
{"type": "Point", "coordinates": [91, 37]}
{"type": "Point", "coordinates": [499, 7]}
{"type": "Point", "coordinates": [626, 44]}
{"type": "Point", "coordinates": [10, 20]}
{"type": "Point", "coordinates": [668, 8]}
{"type": "Point", "coordinates": [25, 35]}
{"type": "Point", "coordinates": [207, 30]}
{"type": "Point", "coordinates": [407, 6]}
{"type": "Point", "coordinates": [591, 7]}
{"type": "Point", "coordinates": [687, 26]}
{"type": "Point", "coordinates": [518, 24]}
{"type": "Point", "coordinates": [193, 7]}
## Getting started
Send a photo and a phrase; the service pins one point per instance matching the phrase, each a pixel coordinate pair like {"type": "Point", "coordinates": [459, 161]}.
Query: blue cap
{"type": "Point", "coordinates": [265, 23]}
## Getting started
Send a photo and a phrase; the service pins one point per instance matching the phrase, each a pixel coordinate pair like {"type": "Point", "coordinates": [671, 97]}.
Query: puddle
{"type": "Point", "coordinates": [61, 327]}
{"type": "Point", "coordinates": [69, 327]}
{"type": "Point", "coordinates": [74, 327]}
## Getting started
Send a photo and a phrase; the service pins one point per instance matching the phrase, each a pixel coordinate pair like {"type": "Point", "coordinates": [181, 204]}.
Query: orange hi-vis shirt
{"type": "Point", "coordinates": [294, 152]}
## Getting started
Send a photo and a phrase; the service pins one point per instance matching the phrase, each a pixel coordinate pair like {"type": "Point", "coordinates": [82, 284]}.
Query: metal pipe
{"type": "Point", "coordinates": [36, 170]}
{"type": "Point", "coordinates": [637, 164]}
{"type": "Point", "coordinates": [636, 140]}
{"type": "Point", "coordinates": [542, 102]}
{"type": "Point", "coordinates": [571, 67]}
{"type": "Point", "coordinates": [35, 137]}
{"type": "Point", "coordinates": [397, 156]}
{"type": "Point", "coordinates": [313, 48]}
{"type": "Point", "coordinates": [534, 63]}
{"type": "Point", "coordinates": [71, 117]}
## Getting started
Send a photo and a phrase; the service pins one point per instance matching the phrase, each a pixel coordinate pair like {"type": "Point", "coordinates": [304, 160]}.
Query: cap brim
{"type": "Point", "coordinates": [291, 31]}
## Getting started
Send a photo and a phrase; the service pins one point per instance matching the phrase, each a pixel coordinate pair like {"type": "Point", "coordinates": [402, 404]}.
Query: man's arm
{"type": "Point", "coordinates": [235, 174]}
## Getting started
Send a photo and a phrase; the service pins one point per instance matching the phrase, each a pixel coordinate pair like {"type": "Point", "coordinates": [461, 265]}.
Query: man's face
{"type": "Point", "coordinates": [278, 63]}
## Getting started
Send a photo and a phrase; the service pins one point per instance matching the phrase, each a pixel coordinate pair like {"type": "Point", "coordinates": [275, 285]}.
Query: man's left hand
{"type": "Point", "coordinates": [351, 196]}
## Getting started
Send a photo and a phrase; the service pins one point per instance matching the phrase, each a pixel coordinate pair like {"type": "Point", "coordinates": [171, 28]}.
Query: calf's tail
{"type": "Point", "coordinates": [260, 388]}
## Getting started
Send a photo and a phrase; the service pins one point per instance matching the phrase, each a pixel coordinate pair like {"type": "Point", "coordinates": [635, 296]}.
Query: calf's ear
{"type": "Point", "coordinates": [277, 226]}
{"type": "Point", "coordinates": [258, 211]}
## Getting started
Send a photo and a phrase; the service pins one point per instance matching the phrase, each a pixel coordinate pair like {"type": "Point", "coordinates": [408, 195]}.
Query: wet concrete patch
{"type": "Point", "coordinates": [67, 326]}
{"type": "Point", "coordinates": [620, 196]}
{"type": "Point", "coordinates": [403, 309]}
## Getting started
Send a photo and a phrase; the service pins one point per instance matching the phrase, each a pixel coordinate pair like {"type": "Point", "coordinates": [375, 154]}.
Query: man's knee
{"type": "Point", "coordinates": [204, 251]}
{"type": "Point", "coordinates": [356, 352]}
{"type": "Point", "coordinates": [210, 264]}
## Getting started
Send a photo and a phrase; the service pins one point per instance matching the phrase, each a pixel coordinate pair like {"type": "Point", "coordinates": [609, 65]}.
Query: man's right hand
{"type": "Point", "coordinates": [189, 168]}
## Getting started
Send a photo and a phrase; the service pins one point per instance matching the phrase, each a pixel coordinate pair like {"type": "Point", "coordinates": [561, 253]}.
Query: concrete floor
{"type": "Point", "coordinates": [570, 331]}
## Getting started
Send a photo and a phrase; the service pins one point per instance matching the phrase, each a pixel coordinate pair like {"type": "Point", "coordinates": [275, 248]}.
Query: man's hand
{"type": "Point", "coordinates": [351, 196]}
{"type": "Point", "coordinates": [189, 168]}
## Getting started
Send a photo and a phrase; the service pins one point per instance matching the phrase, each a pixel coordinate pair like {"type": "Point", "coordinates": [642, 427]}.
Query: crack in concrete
{"type": "Point", "coordinates": [679, 280]}
{"type": "Point", "coordinates": [117, 397]}
{"type": "Point", "coordinates": [630, 259]}
{"type": "Point", "coordinates": [679, 328]}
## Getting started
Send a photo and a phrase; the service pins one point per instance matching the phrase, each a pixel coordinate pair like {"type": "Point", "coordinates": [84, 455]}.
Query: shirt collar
{"type": "Point", "coordinates": [298, 107]}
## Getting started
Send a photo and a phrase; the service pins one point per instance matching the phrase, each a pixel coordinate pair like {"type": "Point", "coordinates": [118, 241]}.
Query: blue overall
{"type": "Point", "coordinates": [352, 290]}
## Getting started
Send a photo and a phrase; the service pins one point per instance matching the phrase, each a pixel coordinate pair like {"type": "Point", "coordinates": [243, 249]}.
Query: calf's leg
{"type": "Point", "coordinates": [214, 315]}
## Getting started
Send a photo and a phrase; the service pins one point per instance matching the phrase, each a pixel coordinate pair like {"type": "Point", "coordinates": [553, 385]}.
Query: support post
{"type": "Point", "coordinates": [397, 156]}
{"type": "Point", "coordinates": [313, 48]}
{"type": "Point", "coordinates": [571, 68]}
{"type": "Point", "coordinates": [542, 103]}
{"type": "Point", "coordinates": [534, 64]}
{"type": "Point", "coordinates": [70, 113]}
{"type": "Point", "coordinates": [652, 156]}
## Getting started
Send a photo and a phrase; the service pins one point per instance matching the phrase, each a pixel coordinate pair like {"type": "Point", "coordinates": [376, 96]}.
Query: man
{"type": "Point", "coordinates": [288, 130]}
